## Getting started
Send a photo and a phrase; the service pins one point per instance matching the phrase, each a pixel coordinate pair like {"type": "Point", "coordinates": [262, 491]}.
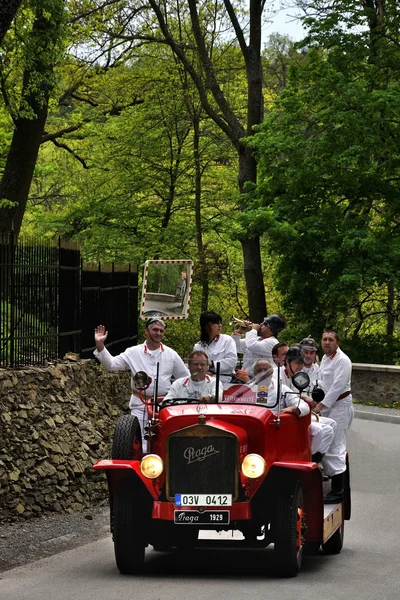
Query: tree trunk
{"type": "Point", "coordinates": [8, 10]}
{"type": "Point", "coordinates": [38, 81]}
{"type": "Point", "coordinates": [251, 245]}
{"type": "Point", "coordinates": [20, 165]}
{"type": "Point", "coordinates": [205, 289]}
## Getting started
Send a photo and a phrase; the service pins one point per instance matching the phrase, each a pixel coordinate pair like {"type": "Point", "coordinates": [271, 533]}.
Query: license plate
{"type": "Point", "coordinates": [195, 517]}
{"type": "Point", "coordinates": [203, 499]}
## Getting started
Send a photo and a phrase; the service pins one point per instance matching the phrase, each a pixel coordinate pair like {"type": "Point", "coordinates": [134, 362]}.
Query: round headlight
{"type": "Point", "coordinates": [151, 466]}
{"type": "Point", "coordinates": [253, 466]}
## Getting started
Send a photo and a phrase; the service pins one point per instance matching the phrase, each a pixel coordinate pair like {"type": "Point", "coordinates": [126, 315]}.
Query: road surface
{"type": "Point", "coordinates": [368, 567]}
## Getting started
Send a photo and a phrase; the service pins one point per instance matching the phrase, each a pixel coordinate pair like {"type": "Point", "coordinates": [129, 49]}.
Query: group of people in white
{"type": "Point", "coordinates": [328, 395]}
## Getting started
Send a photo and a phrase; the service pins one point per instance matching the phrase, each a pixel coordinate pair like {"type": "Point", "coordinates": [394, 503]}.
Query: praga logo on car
{"type": "Point", "coordinates": [200, 454]}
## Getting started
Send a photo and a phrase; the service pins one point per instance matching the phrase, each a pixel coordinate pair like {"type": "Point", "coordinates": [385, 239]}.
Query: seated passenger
{"type": "Point", "coordinates": [321, 431]}
{"type": "Point", "coordinates": [199, 385]}
{"type": "Point", "coordinates": [265, 379]}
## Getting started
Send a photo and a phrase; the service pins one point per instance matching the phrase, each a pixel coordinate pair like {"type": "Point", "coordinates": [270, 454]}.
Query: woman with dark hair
{"type": "Point", "coordinates": [218, 346]}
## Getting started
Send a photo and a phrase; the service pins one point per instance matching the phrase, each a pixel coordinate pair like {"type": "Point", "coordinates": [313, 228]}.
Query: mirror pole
{"type": "Point", "coordinates": [278, 396]}
{"type": "Point", "coordinates": [155, 393]}
{"type": "Point", "coordinates": [217, 382]}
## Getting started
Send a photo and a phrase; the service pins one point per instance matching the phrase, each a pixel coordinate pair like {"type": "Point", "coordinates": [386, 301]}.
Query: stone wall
{"type": "Point", "coordinates": [378, 384]}
{"type": "Point", "coordinates": [55, 422]}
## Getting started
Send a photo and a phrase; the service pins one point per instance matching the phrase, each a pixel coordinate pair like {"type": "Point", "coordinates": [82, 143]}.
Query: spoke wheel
{"type": "Point", "coordinates": [288, 544]}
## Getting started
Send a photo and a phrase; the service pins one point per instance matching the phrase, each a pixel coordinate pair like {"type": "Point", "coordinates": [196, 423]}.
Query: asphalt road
{"type": "Point", "coordinates": [368, 567]}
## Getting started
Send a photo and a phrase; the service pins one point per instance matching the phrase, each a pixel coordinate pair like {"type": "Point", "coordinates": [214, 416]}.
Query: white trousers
{"type": "Point", "coordinates": [141, 413]}
{"type": "Point", "coordinates": [334, 460]}
{"type": "Point", "coordinates": [322, 433]}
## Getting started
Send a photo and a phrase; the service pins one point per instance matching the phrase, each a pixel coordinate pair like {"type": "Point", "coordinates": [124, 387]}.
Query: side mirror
{"type": "Point", "coordinates": [317, 394]}
{"type": "Point", "coordinates": [166, 289]}
{"type": "Point", "coordinates": [141, 380]}
{"type": "Point", "coordinates": [301, 380]}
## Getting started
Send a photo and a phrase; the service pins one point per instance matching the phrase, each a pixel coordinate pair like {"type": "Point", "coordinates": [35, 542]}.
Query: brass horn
{"type": "Point", "coordinates": [240, 323]}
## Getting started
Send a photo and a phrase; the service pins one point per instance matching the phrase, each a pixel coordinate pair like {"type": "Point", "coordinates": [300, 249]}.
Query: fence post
{"type": "Point", "coordinates": [69, 296]}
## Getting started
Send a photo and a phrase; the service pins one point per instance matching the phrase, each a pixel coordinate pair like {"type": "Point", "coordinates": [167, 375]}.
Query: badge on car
{"type": "Point", "coordinates": [195, 517]}
{"type": "Point", "coordinates": [203, 499]}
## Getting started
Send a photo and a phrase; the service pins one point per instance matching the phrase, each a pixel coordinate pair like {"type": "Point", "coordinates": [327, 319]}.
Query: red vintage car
{"type": "Point", "coordinates": [236, 465]}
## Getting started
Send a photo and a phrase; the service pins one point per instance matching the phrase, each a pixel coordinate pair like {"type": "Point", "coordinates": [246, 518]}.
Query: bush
{"type": "Point", "coordinates": [373, 349]}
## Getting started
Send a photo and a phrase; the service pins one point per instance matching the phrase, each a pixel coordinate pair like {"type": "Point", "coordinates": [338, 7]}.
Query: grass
{"type": "Point", "coordinates": [395, 404]}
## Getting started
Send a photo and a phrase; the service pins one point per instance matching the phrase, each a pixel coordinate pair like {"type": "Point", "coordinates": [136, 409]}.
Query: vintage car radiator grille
{"type": "Point", "coordinates": [202, 465]}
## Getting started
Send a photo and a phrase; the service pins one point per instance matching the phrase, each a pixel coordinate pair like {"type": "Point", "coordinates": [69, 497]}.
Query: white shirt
{"type": "Point", "coordinates": [185, 387]}
{"type": "Point", "coordinates": [223, 350]}
{"type": "Point", "coordinates": [285, 378]}
{"type": "Point", "coordinates": [335, 378]}
{"type": "Point", "coordinates": [140, 358]}
{"type": "Point", "coordinates": [257, 348]}
{"type": "Point", "coordinates": [313, 373]}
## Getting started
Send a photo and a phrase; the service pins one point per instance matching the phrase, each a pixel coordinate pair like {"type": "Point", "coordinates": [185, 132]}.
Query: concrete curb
{"type": "Point", "coordinates": [376, 416]}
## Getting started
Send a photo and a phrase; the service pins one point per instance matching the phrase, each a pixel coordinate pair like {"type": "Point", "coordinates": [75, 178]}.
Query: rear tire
{"type": "Point", "coordinates": [335, 542]}
{"type": "Point", "coordinates": [127, 442]}
{"type": "Point", "coordinates": [288, 544]}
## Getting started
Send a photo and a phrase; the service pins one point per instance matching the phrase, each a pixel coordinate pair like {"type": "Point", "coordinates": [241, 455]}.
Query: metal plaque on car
{"type": "Point", "coordinates": [195, 517]}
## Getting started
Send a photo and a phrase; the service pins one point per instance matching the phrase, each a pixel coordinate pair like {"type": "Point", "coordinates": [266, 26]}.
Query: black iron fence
{"type": "Point", "coordinates": [50, 302]}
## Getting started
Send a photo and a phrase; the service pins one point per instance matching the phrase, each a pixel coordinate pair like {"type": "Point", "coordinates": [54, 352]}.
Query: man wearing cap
{"type": "Point", "coordinates": [260, 340]}
{"type": "Point", "coordinates": [335, 380]}
{"type": "Point", "coordinates": [143, 357]}
{"type": "Point", "coordinates": [294, 362]}
{"type": "Point", "coordinates": [310, 348]}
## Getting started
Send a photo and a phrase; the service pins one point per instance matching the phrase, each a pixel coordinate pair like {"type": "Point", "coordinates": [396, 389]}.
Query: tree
{"type": "Point", "coordinates": [330, 171]}
{"type": "Point", "coordinates": [199, 34]}
{"type": "Point", "coordinates": [42, 47]}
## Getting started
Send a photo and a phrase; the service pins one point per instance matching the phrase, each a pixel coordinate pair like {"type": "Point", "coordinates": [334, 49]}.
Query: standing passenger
{"type": "Point", "coordinates": [218, 346]}
{"type": "Point", "coordinates": [262, 338]}
{"type": "Point", "coordinates": [335, 380]}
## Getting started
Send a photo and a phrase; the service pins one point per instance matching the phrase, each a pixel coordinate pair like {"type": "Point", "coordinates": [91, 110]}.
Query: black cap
{"type": "Point", "coordinates": [294, 353]}
{"type": "Point", "coordinates": [276, 322]}
{"type": "Point", "coordinates": [155, 319]}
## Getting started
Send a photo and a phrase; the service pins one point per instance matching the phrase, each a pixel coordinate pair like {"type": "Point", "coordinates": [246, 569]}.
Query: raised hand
{"type": "Point", "coordinates": [100, 336]}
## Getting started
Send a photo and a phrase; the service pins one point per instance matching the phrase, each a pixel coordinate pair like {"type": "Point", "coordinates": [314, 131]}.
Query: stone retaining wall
{"type": "Point", "coordinates": [55, 422]}
{"type": "Point", "coordinates": [379, 384]}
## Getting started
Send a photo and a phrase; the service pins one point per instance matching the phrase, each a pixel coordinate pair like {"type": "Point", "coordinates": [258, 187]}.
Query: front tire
{"type": "Point", "coordinates": [127, 441]}
{"type": "Point", "coordinates": [288, 541]}
{"type": "Point", "coordinates": [131, 515]}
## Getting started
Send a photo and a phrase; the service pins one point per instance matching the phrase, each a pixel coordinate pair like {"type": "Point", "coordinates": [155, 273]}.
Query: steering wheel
{"type": "Point", "coordinates": [172, 401]}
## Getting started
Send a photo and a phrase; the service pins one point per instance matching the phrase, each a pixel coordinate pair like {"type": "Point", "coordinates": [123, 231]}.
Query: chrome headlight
{"type": "Point", "coordinates": [253, 466]}
{"type": "Point", "coordinates": [151, 466]}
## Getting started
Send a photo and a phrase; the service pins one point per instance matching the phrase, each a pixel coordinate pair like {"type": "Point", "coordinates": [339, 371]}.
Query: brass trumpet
{"type": "Point", "coordinates": [240, 323]}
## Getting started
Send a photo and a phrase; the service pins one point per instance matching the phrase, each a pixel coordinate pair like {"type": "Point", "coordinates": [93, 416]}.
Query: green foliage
{"type": "Point", "coordinates": [373, 349]}
{"type": "Point", "coordinates": [329, 186]}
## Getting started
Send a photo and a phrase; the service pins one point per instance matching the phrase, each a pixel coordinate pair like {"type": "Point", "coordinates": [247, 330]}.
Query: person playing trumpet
{"type": "Point", "coordinates": [259, 340]}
